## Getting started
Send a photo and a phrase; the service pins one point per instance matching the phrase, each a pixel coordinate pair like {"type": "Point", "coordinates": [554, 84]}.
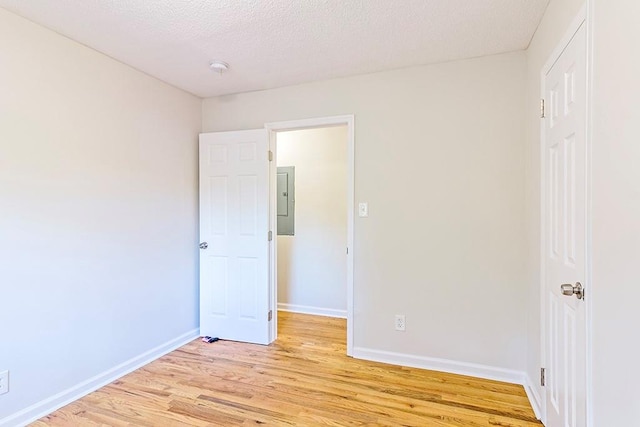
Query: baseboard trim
{"type": "Point", "coordinates": [318, 311]}
{"type": "Point", "coordinates": [442, 365]}
{"type": "Point", "coordinates": [51, 404]}
{"type": "Point", "coordinates": [534, 396]}
{"type": "Point", "coordinates": [456, 367]}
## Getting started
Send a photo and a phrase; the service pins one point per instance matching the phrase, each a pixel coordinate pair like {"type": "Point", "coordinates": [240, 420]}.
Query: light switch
{"type": "Point", "coordinates": [363, 210]}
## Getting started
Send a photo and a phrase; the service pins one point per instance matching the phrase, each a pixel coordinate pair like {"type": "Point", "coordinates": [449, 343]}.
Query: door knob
{"type": "Point", "coordinates": [204, 245]}
{"type": "Point", "coordinates": [569, 290]}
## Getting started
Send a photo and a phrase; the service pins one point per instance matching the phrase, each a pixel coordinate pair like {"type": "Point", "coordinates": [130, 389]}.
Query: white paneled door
{"type": "Point", "coordinates": [565, 235]}
{"type": "Point", "coordinates": [234, 227]}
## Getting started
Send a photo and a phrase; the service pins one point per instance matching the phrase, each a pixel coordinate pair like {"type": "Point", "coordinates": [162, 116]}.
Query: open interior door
{"type": "Point", "coordinates": [565, 235]}
{"type": "Point", "coordinates": [234, 236]}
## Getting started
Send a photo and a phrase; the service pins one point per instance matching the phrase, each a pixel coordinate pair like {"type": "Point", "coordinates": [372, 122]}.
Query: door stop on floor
{"type": "Point", "coordinates": [209, 339]}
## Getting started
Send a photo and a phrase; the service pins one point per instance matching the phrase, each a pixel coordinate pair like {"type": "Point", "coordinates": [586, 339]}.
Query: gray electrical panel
{"type": "Point", "coordinates": [286, 200]}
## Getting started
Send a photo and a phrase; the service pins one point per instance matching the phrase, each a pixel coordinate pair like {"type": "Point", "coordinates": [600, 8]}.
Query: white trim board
{"type": "Point", "coordinates": [533, 395]}
{"type": "Point", "coordinates": [589, 19]}
{"type": "Point", "coordinates": [441, 365]}
{"type": "Point", "coordinates": [318, 311]}
{"type": "Point", "coordinates": [57, 401]}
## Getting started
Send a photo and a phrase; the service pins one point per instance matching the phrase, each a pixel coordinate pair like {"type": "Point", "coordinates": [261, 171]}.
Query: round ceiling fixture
{"type": "Point", "coordinates": [219, 66]}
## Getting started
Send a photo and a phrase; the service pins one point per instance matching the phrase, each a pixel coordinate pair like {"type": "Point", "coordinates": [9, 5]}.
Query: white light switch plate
{"type": "Point", "coordinates": [363, 210]}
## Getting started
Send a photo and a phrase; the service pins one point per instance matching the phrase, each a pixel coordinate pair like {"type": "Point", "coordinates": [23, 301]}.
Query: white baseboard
{"type": "Point", "coordinates": [50, 404]}
{"type": "Point", "coordinates": [442, 365]}
{"type": "Point", "coordinates": [455, 367]}
{"type": "Point", "coordinates": [318, 311]}
{"type": "Point", "coordinates": [534, 396]}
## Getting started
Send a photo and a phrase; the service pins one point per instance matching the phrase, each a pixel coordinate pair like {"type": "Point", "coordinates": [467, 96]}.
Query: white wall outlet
{"type": "Point", "coordinates": [363, 209]}
{"type": "Point", "coordinates": [400, 322]}
{"type": "Point", "coordinates": [4, 382]}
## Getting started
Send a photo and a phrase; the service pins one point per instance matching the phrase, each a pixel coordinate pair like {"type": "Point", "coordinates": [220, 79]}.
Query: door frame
{"type": "Point", "coordinates": [582, 18]}
{"type": "Point", "coordinates": [312, 123]}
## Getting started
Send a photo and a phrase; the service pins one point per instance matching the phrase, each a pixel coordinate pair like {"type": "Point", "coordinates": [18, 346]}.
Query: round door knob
{"type": "Point", "coordinates": [570, 290]}
{"type": "Point", "coordinates": [204, 245]}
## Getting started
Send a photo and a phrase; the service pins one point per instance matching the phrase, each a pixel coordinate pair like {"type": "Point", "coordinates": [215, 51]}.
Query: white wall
{"type": "Point", "coordinates": [440, 160]}
{"type": "Point", "coordinates": [616, 212]}
{"type": "Point", "coordinates": [98, 215]}
{"type": "Point", "coordinates": [312, 264]}
{"type": "Point", "coordinates": [555, 23]}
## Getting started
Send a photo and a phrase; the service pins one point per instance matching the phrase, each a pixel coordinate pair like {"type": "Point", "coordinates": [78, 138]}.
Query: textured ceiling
{"type": "Point", "coordinates": [273, 43]}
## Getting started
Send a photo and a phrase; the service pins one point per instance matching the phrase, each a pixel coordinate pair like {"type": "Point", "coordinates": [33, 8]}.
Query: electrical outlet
{"type": "Point", "coordinates": [4, 382]}
{"type": "Point", "coordinates": [400, 322]}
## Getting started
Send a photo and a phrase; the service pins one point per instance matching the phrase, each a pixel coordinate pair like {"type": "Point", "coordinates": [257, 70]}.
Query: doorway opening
{"type": "Point", "coordinates": [312, 216]}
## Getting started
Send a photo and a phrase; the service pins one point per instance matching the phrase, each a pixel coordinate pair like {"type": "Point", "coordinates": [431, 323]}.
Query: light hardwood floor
{"type": "Point", "coordinates": [303, 379]}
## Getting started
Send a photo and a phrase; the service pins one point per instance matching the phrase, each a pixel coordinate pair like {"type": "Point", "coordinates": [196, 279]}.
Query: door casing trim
{"type": "Point", "coordinates": [319, 122]}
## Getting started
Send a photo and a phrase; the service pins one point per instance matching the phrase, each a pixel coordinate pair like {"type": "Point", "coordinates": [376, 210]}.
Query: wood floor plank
{"type": "Point", "coordinates": [303, 379]}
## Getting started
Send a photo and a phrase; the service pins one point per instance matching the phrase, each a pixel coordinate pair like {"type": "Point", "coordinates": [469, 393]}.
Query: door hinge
{"type": "Point", "coordinates": [543, 379]}
{"type": "Point", "coordinates": [347, 250]}
{"type": "Point", "coordinates": [270, 235]}
{"type": "Point", "coordinates": [542, 116]}
{"type": "Point", "coordinates": [270, 156]}
{"type": "Point", "coordinates": [270, 316]}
